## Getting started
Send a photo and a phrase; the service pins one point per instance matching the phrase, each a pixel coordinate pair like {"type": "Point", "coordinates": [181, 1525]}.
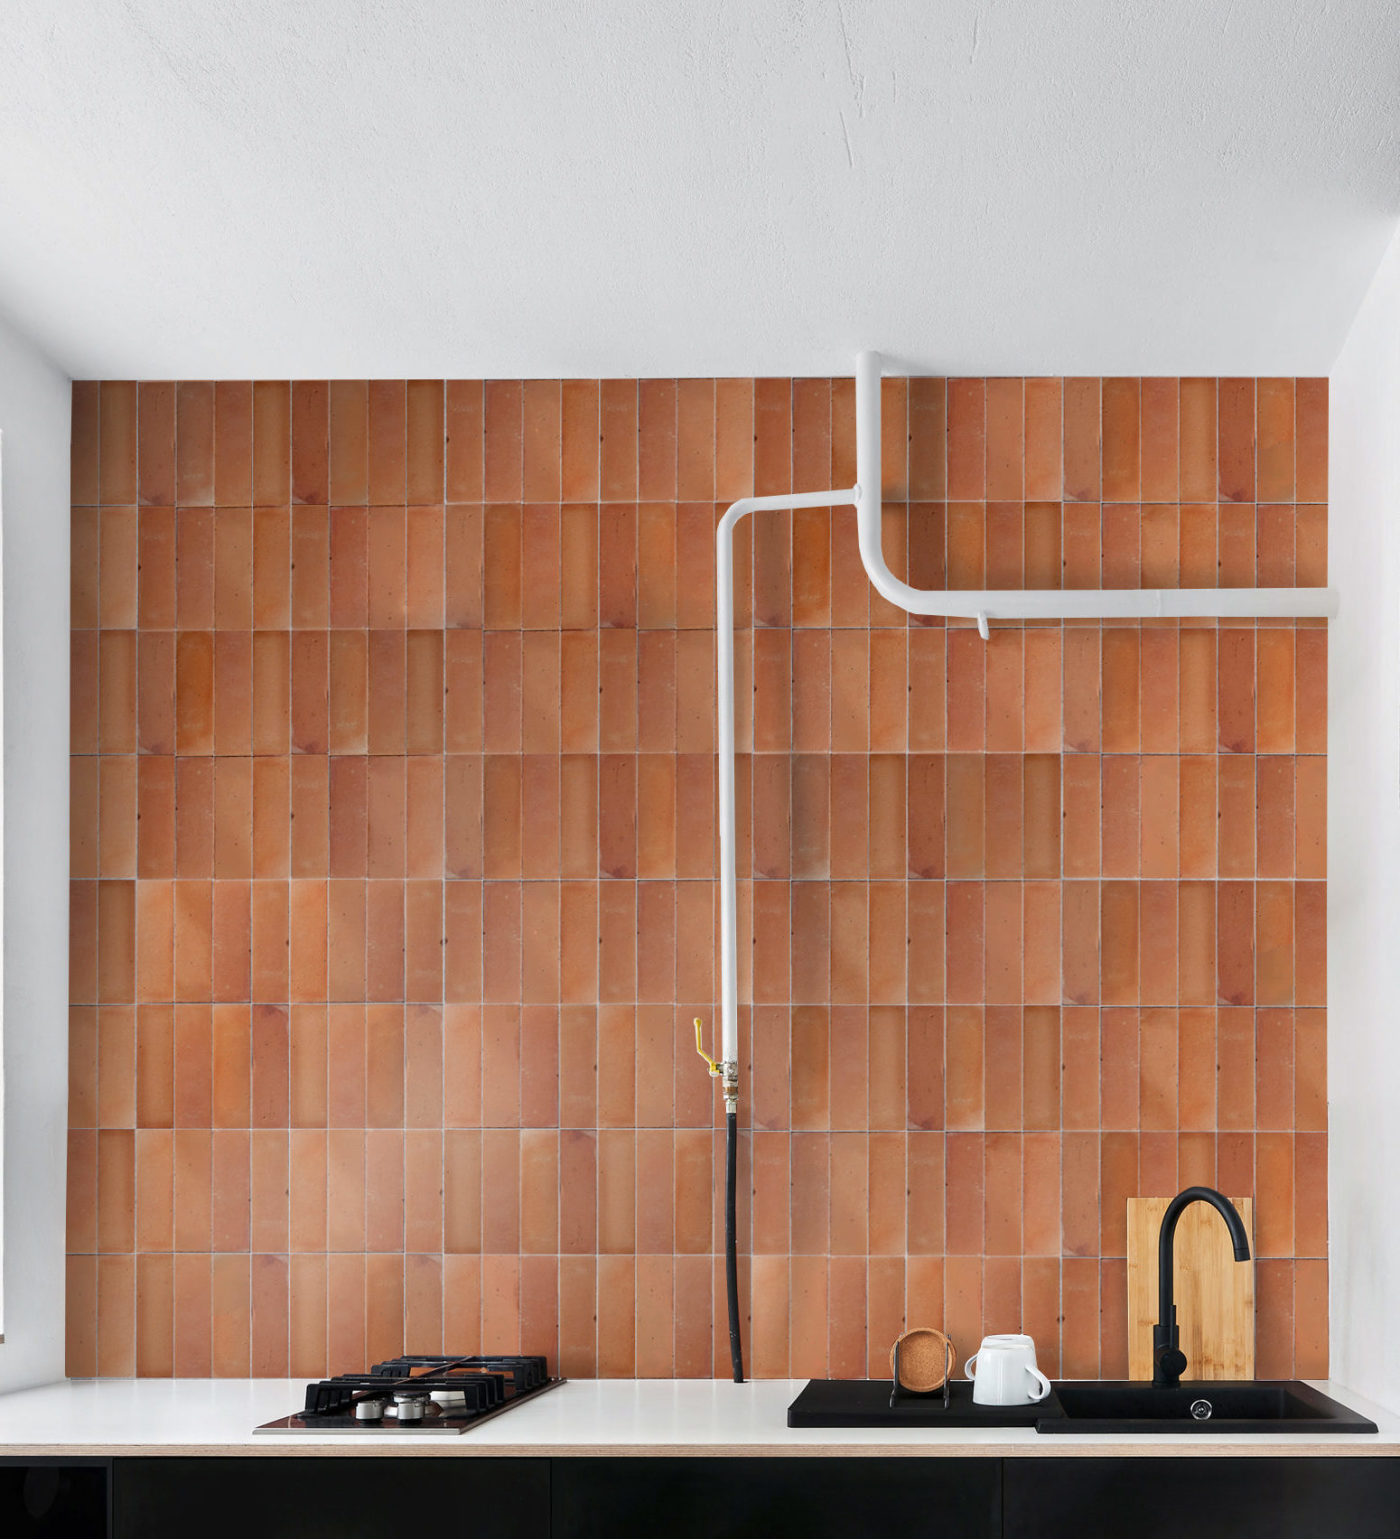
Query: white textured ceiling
{"type": "Point", "coordinates": [624, 187]}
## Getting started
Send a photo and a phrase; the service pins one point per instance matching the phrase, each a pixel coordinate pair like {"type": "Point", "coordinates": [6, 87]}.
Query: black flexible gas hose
{"type": "Point", "coordinates": [731, 1256]}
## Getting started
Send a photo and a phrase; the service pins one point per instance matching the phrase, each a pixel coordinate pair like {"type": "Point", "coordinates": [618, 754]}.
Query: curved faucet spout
{"type": "Point", "coordinates": [1168, 1360]}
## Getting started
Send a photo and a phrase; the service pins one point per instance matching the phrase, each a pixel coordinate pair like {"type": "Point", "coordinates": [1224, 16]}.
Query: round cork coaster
{"type": "Point", "coordinates": [924, 1353]}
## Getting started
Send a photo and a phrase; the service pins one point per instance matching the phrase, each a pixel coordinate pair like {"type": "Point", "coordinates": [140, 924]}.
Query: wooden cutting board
{"type": "Point", "coordinates": [1214, 1292]}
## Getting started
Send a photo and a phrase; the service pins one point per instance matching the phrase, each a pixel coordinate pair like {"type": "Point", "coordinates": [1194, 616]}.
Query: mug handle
{"type": "Point", "coordinates": [967, 1366]}
{"type": "Point", "coordinates": [1043, 1381]}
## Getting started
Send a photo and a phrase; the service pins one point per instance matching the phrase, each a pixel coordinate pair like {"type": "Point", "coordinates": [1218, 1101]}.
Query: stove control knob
{"type": "Point", "coordinates": [369, 1410]}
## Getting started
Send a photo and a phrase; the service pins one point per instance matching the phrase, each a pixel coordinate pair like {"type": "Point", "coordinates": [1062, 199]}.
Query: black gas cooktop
{"type": "Point", "coordinates": [418, 1394]}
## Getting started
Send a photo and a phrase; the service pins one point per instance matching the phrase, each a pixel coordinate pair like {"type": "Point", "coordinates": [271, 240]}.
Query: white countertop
{"type": "Point", "coordinates": [588, 1416]}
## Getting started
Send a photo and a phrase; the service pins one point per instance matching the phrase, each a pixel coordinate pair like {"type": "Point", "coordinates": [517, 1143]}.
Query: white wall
{"type": "Point", "coordinates": [34, 436]}
{"type": "Point", "coordinates": [1363, 811]}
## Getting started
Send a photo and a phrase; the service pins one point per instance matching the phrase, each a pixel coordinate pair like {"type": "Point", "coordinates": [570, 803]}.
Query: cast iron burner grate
{"type": "Point", "coordinates": [418, 1394]}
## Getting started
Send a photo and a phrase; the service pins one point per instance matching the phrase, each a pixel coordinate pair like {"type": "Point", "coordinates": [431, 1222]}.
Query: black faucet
{"type": "Point", "coordinates": [1168, 1360]}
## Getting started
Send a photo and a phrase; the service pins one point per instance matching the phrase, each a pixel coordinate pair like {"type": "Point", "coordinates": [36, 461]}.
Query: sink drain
{"type": "Point", "coordinates": [1201, 1409]}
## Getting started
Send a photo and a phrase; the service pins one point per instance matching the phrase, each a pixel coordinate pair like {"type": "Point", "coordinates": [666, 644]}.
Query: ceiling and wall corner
{"type": "Point", "coordinates": [34, 420]}
{"type": "Point", "coordinates": [579, 189]}
{"type": "Point", "coordinates": [1363, 836]}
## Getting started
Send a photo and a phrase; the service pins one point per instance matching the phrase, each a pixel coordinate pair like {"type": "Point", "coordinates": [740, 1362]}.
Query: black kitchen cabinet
{"type": "Point", "coordinates": [1207, 1498]}
{"type": "Point", "coordinates": [349, 1496]}
{"type": "Point", "coordinates": [52, 1499]}
{"type": "Point", "coordinates": [773, 1498]}
{"type": "Point", "coordinates": [294, 1497]}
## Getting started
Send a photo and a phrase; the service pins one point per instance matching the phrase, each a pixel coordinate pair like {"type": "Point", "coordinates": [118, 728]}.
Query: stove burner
{"type": "Point", "coordinates": [418, 1394]}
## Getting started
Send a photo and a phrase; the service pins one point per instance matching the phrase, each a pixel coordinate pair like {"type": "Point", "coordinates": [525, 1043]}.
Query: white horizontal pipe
{"type": "Point", "coordinates": [1039, 604]}
{"type": "Point", "coordinates": [1111, 603]}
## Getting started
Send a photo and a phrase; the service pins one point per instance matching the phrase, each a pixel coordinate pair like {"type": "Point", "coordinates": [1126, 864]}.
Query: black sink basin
{"type": "Point", "coordinates": [1209, 1407]}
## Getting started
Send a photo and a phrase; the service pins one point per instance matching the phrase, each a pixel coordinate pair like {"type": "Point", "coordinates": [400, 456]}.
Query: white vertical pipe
{"type": "Point", "coordinates": [869, 472]}
{"type": "Point", "coordinates": [724, 678]}
{"type": "Point", "coordinates": [728, 881]}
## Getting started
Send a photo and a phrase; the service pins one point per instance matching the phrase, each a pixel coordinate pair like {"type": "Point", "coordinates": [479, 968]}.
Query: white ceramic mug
{"type": "Point", "coordinates": [1003, 1372]}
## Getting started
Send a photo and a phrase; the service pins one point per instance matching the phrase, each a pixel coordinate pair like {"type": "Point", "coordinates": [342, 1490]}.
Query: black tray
{"type": "Point", "coordinates": [866, 1403]}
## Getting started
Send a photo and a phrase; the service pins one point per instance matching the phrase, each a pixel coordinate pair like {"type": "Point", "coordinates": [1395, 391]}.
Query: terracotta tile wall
{"type": "Point", "coordinates": [393, 853]}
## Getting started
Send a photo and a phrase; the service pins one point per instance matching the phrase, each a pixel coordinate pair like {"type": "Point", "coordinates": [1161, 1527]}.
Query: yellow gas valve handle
{"type": "Point", "coordinates": [710, 1064]}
